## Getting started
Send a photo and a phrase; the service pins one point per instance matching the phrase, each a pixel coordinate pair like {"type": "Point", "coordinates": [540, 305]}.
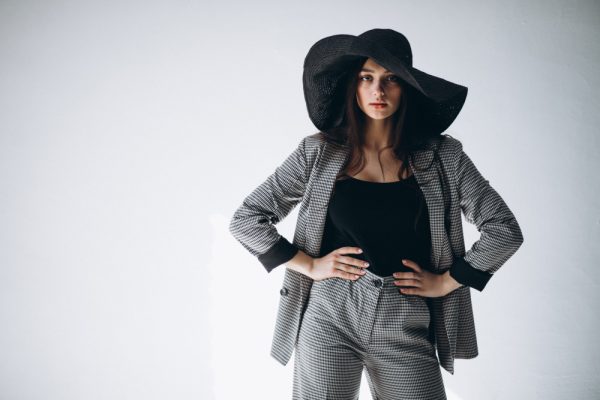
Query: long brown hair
{"type": "Point", "coordinates": [405, 138]}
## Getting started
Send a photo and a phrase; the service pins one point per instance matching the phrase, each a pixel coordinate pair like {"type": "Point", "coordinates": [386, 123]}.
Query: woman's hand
{"type": "Point", "coordinates": [336, 264]}
{"type": "Point", "coordinates": [424, 283]}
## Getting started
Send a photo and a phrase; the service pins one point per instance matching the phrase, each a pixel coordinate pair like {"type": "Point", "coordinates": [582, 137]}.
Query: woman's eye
{"type": "Point", "coordinates": [392, 78]}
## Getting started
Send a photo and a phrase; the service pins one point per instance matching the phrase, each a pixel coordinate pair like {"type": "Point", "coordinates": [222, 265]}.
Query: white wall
{"type": "Point", "coordinates": [130, 132]}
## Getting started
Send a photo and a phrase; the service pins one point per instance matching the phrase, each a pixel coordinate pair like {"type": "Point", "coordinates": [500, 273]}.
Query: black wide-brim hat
{"type": "Point", "coordinates": [325, 77]}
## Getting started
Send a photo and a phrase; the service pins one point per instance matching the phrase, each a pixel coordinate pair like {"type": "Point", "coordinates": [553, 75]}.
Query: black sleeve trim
{"type": "Point", "coordinates": [281, 252]}
{"type": "Point", "coordinates": [464, 273]}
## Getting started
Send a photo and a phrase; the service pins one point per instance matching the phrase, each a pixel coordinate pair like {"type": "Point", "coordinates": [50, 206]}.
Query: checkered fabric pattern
{"type": "Point", "coordinates": [307, 177]}
{"type": "Point", "coordinates": [367, 323]}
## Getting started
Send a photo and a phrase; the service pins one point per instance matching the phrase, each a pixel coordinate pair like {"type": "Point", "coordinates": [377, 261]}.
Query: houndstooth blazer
{"type": "Point", "coordinates": [308, 175]}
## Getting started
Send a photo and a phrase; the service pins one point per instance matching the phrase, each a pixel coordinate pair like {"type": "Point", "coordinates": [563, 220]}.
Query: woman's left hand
{"type": "Point", "coordinates": [424, 283]}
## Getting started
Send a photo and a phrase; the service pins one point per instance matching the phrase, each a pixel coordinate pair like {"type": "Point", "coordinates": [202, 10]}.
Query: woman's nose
{"type": "Point", "coordinates": [379, 91]}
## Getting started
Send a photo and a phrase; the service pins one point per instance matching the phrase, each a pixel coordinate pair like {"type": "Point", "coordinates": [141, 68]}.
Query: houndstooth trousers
{"type": "Point", "coordinates": [367, 324]}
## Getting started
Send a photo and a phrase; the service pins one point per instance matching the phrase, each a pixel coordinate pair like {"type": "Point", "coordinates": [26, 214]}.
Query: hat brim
{"type": "Point", "coordinates": [325, 72]}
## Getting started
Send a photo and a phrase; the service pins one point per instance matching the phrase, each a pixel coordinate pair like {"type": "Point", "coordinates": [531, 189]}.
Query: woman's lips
{"type": "Point", "coordinates": [378, 105]}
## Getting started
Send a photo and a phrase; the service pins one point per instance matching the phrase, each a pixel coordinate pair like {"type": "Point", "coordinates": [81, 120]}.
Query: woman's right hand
{"type": "Point", "coordinates": [336, 264]}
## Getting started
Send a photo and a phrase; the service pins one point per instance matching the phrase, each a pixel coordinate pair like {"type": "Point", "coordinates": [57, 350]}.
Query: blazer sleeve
{"type": "Point", "coordinates": [500, 232]}
{"type": "Point", "coordinates": [253, 223]}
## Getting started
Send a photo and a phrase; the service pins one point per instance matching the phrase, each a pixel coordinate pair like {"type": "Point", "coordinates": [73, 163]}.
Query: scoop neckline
{"type": "Point", "coordinates": [381, 183]}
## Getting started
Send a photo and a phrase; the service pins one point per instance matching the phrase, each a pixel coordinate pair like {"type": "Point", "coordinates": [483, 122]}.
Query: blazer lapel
{"type": "Point", "coordinates": [331, 163]}
{"type": "Point", "coordinates": [424, 169]}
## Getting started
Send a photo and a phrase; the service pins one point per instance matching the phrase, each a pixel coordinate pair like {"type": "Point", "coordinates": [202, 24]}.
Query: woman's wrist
{"type": "Point", "coordinates": [301, 262]}
{"type": "Point", "coordinates": [450, 283]}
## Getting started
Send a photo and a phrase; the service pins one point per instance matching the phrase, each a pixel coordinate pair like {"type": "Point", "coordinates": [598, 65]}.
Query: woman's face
{"type": "Point", "coordinates": [376, 86]}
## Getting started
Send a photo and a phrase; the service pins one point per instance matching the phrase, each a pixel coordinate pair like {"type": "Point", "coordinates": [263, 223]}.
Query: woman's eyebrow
{"type": "Point", "coordinates": [370, 70]}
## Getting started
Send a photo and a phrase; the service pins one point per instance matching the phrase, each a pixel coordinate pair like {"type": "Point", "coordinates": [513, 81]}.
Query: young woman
{"type": "Point", "coordinates": [377, 277]}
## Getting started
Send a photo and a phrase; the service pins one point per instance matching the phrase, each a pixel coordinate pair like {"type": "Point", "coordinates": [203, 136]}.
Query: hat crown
{"type": "Point", "coordinates": [393, 41]}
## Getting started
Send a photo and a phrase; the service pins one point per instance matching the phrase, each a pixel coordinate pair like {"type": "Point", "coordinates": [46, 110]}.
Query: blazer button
{"type": "Point", "coordinates": [377, 282]}
{"type": "Point", "coordinates": [283, 291]}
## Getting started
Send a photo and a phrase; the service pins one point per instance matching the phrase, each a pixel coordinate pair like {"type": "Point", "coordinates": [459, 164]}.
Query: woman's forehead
{"type": "Point", "coordinates": [371, 65]}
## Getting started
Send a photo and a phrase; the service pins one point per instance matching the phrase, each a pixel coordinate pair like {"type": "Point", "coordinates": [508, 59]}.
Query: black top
{"type": "Point", "coordinates": [389, 221]}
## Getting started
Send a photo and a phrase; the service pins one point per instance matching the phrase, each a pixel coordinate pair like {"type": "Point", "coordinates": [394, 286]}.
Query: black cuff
{"type": "Point", "coordinates": [464, 273]}
{"type": "Point", "coordinates": [281, 252]}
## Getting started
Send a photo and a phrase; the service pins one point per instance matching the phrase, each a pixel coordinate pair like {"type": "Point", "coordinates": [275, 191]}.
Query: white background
{"type": "Point", "coordinates": [130, 131]}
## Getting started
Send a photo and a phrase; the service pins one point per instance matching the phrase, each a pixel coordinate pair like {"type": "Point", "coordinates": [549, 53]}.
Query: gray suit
{"type": "Point", "coordinates": [307, 176]}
